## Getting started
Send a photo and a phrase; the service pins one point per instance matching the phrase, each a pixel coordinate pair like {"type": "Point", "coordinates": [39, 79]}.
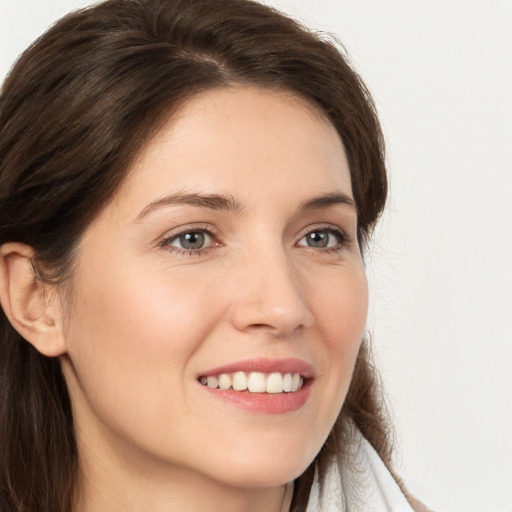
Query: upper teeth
{"type": "Point", "coordinates": [255, 382]}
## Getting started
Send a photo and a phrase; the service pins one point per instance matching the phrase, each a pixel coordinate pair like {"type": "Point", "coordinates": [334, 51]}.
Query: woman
{"type": "Point", "coordinates": [187, 187]}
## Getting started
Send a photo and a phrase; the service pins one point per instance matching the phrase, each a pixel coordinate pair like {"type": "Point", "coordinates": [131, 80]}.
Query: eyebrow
{"type": "Point", "coordinates": [228, 203]}
{"type": "Point", "coordinates": [326, 200]}
{"type": "Point", "coordinates": [210, 201]}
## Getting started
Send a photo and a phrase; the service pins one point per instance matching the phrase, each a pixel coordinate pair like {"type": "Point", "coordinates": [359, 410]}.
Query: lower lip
{"type": "Point", "coordinates": [263, 403]}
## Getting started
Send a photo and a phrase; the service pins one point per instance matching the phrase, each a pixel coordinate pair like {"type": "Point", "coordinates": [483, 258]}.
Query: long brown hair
{"type": "Point", "coordinates": [75, 110]}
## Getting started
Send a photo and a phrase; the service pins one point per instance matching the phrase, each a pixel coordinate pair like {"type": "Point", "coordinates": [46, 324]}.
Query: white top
{"type": "Point", "coordinates": [370, 488]}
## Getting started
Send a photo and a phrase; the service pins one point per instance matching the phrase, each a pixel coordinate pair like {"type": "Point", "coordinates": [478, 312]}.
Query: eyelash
{"type": "Point", "coordinates": [166, 242]}
{"type": "Point", "coordinates": [342, 240]}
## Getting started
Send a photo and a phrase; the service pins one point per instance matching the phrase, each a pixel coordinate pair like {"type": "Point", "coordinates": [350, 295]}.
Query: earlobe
{"type": "Point", "coordinates": [30, 305]}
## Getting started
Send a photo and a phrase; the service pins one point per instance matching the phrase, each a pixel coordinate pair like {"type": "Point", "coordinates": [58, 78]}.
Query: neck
{"type": "Point", "coordinates": [109, 482]}
{"type": "Point", "coordinates": [189, 495]}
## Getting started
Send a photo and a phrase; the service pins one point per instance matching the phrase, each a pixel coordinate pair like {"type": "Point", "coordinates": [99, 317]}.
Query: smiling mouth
{"type": "Point", "coordinates": [255, 382]}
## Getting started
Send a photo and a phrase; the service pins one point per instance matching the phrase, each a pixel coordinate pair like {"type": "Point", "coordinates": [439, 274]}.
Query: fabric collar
{"type": "Point", "coordinates": [368, 488]}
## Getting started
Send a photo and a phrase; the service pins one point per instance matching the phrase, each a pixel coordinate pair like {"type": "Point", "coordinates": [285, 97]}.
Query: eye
{"type": "Point", "coordinates": [323, 238]}
{"type": "Point", "coordinates": [192, 241]}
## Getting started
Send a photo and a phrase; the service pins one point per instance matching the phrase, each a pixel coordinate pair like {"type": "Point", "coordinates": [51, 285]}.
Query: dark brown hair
{"type": "Point", "coordinates": [75, 110]}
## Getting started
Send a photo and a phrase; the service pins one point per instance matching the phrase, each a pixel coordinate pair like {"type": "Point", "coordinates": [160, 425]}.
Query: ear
{"type": "Point", "coordinates": [32, 307]}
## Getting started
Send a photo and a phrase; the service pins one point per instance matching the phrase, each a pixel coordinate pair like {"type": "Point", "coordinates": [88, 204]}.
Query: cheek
{"type": "Point", "coordinates": [341, 310]}
{"type": "Point", "coordinates": [127, 314]}
{"type": "Point", "coordinates": [130, 340]}
{"type": "Point", "coordinates": [341, 318]}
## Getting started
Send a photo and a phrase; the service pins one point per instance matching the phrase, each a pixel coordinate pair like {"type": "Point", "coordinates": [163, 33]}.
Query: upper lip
{"type": "Point", "coordinates": [264, 365]}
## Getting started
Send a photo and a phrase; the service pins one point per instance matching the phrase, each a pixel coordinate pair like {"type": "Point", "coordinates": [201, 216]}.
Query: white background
{"type": "Point", "coordinates": [441, 270]}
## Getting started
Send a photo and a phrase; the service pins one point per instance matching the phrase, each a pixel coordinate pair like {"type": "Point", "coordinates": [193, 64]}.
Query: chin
{"type": "Point", "coordinates": [263, 469]}
{"type": "Point", "coordinates": [262, 478]}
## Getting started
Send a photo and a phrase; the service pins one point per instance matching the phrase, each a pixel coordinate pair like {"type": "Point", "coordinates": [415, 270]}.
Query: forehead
{"type": "Point", "coordinates": [242, 139]}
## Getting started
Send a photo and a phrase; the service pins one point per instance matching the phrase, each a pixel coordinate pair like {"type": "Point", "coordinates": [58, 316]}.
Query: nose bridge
{"type": "Point", "coordinates": [270, 293]}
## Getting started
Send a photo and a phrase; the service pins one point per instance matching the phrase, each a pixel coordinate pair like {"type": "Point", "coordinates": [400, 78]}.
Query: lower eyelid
{"type": "Point", "coordinates": [340, 235]}
{"type": "Point", "coordinates": [166, 242]}
{"type": "Point", "coordinates": [211, 242]}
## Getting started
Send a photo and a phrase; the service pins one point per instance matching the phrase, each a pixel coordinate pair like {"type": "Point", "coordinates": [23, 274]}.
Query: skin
{"type": "Point", "coordinates": [142, 318]}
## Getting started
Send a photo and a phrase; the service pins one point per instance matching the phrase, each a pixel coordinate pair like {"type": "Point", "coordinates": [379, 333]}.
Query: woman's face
{"type": "Point", "coordinates": [229, 255]}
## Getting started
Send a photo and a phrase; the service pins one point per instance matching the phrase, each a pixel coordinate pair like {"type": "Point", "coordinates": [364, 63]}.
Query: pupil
{"type": "Point", "coordinates": [192, 240]}
{"type": "Point", "coordinates": [318, 239]}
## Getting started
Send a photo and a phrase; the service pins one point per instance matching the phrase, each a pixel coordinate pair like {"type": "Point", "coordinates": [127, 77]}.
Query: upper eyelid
{"type": "Point", "coordinates": [345, 240]}
{"type": "Point", "coordinates": [213, 231]}
{"type": "Point", "coordinates": [165, 242]}
{"type": "Point", "coordinates": [322, 226]}
{"type": "Point", "coordinates": [190, 228]}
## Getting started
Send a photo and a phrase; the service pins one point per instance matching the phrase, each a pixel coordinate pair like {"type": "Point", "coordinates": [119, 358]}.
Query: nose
{"type": "Point", "coordinates": [270, 295]}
